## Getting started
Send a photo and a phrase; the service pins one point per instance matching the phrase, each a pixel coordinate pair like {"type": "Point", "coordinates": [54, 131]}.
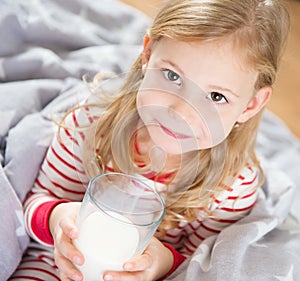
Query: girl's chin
{"type": "Point", "coordinates": [175, 146]}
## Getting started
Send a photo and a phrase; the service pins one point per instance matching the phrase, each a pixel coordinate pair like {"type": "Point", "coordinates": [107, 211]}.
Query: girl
{"type": "Point", "coordinates": [185, 120]}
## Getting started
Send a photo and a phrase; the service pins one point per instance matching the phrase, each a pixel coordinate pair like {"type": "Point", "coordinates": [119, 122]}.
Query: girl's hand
{"type": "Point", "coordinates": [63, 229]}
{"type": "Point", "coordinates": [154, 263]}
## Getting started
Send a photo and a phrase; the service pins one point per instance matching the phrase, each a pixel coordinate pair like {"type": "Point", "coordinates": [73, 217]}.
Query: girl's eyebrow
{"type": "Point", "coordinates": [220, 88]}
{"type": "Point", "coordinates": [174, 65]}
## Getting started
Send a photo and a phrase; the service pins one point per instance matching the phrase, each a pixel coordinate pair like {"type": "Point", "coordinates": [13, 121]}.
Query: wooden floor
{"type": "Point", "coordinates": [285, 101]}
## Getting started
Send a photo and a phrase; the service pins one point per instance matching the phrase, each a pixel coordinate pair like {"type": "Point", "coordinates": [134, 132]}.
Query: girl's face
{"type": "Point", "coordinates": [192, 94]}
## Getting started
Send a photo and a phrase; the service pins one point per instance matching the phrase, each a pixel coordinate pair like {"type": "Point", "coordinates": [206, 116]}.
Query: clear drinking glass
{"type": "Point", "coordinates": [118, 217]}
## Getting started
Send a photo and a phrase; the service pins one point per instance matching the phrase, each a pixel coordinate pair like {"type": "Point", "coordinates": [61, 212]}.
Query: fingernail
{"type": "Point", "coordinates": [108, 277]}
{"type": "Point", "coordinates": [77, 260]}
{"type": "Point", "coordinates": [76, 278]}
{"type": "Point", "coordinates": [128, 266]}
{"type": "Point", "coordinates": [73, 234]}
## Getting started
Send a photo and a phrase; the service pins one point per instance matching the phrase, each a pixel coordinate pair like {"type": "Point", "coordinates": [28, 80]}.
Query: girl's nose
{"type": "Point", "coordinates": [182, 110]}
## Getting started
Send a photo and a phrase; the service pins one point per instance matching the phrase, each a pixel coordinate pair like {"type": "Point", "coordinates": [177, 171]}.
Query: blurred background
{"type": "Point", "coordinates": [285, 102]}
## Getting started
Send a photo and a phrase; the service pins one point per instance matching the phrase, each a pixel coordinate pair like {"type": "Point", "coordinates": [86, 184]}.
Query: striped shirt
{"type": "Point", "coordinates": [230, 205]}
{"type": "Point", "coordinates": [62, 178]}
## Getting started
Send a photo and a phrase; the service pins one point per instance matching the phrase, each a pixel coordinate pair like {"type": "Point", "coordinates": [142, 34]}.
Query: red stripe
{"type": "Point", "coordinates": [69, 152]}
{"type": "Point", "coordinates": [179, 238]}
{"type": "Point", "coordinates": [188, 249]}
{"type": "Point", "coordinates": [210, 229]}
{"type": "Point", "coordinates": [74, 119]}
{"type": "Point", "coordinates": [30, 260]}
{"type": "Point", "coordinates": [172, 235]}
{"type": "Point", "coordinates": [238, 210]}
{"type": "Point", "coordinates": [61, 173]}
{"type": "Point", "coordinates": [180, 227]}
{"type": "Point", "coordinates": [77, 125]}
{"type": "Point", "coordinates": [82, 135]}
{"type": "Point", "coordinates": [241, 177]}
{"type": "Point", "coordinates": [217, 201]}
{"type": "Point", "coordinates": [237, 197]}
{"type": "Point", "coordinates": [41, 270]}
{"type": "Point", "coordinates": [224, 221]}
{"type": "Point", "coordinates": [189, 240]}
{"type": "Point", "coordinates": [109, 169]}
{"type": "Point", "coordinates": [64, 161]}
{"type": "Point", "coordinates": [199, 236]}
{"type": "Point", "coordinates": [249, 167]}
{"type": "Point", "coordinates": [250, 182]}
{"type": "Point", "coordinates": [90, 118]}
{"type": "Point", "coordinates": [26, 277]}
{"type": "Point", "coordinates": [192, 227]}
{"type": "Point", "coordinates": [68, 190]}
{"type": "Point", "coordinates": [70, 136]}
{"type": "Point", "coordinates": [44, 187]}
{"type": "Point", "coordinates": [164, 178]}
{"type": "Point", "coordinates": [43, 257]}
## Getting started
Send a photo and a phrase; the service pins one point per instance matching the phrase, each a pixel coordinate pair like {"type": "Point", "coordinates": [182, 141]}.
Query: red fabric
{"type": "Point", "coordinates": [40, 220]}
{"type": "Point", "coordinates": [178, 259]}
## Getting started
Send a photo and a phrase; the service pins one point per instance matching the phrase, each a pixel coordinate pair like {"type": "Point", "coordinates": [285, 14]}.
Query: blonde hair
{"type": "Point", "coordinates": [259, 28]}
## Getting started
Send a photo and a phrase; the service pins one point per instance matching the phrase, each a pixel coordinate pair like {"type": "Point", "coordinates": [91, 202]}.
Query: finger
{"type": "Point", "coordinates": [69, 228]}
{"type": "Point", "coordinates": [66, 248]}
{"type": "Point", "coordinates": [66, 269]}
{"type": "Point", "coordinates": [64, 278]}
{"type": "Point", "coordinates": [142, 262]}
{"type": "Point", "coordinates": [125, 276]}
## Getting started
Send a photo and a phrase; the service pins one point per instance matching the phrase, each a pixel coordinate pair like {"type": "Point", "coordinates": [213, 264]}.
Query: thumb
{"type": "Point", "coordinates": [69, 228]}
{"type": "Point", "coordinates": [142, 262]}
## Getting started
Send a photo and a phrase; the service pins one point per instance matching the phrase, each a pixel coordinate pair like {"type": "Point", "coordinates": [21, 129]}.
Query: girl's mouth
{"type": "Point", "coordinates": [172, 133]}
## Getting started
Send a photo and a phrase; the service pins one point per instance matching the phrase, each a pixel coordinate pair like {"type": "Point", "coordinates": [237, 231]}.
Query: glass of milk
{"type": "Point", "coordinates": [118, 217]}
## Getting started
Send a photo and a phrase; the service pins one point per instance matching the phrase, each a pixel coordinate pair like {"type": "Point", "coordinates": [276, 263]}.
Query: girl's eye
{"type": "Point", "coordinates": [172, 76]}
{"type": "Point", "coordinates": [217, 97]}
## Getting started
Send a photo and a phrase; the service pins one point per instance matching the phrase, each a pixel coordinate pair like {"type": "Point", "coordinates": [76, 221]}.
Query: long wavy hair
{"type": "Point", "coordinates": [259, 29]}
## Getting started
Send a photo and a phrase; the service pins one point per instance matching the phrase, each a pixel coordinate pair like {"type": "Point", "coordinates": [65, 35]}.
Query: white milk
{"type": "Point", "coordinates": [106, 244]}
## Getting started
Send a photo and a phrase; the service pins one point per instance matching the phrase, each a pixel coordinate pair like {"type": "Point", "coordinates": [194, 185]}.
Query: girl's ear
{"type": "Point", "coordinates": [259, 100]}
{"type": "Point", "coordinates": [147, 49]}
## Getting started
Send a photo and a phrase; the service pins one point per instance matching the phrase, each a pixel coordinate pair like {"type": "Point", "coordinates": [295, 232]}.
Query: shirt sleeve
{"type": "Point", "coordinates": [61, 177]}
{"type": "Point", "coordinates": [178, 259]}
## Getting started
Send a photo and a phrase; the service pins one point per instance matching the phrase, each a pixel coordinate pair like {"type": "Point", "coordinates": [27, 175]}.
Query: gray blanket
{"type": "Point", "coordinates": [46, 47]}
